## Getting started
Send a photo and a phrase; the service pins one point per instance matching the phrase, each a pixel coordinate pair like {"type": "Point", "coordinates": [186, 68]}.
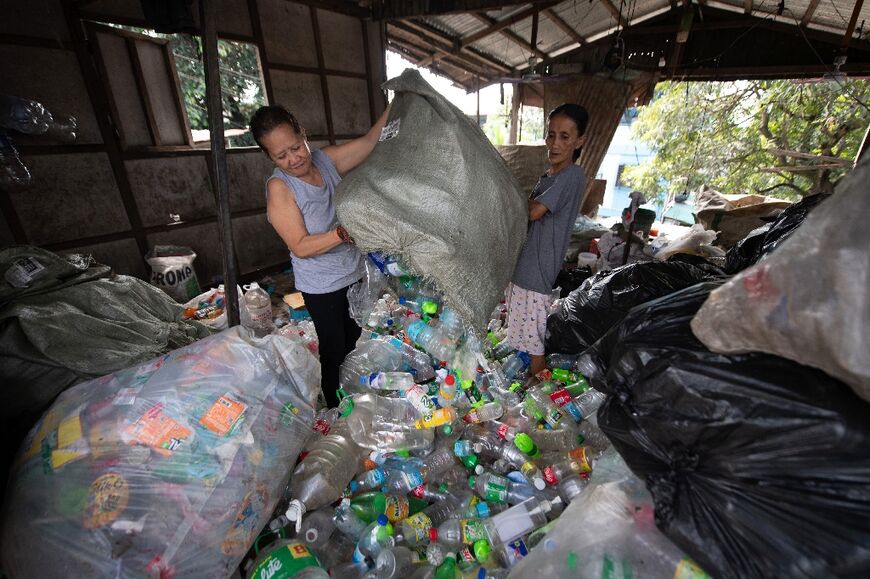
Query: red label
{"type": "Point", "coordinates": [502, 431]}
{"type": "Point", "coordinates": [418, 491]}
{"type": "Point", "coordinates": [550, 476]}
{"type": "Point", "coordinates": [467, 555]}
{"type": "Point", "coordinates": [561, 397]}
{"type": "Point", "coordinates": [322, 426]}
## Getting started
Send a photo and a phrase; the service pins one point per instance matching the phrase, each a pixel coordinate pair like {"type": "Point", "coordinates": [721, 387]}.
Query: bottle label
{"type": "Point", "coordinates": [322, 426]}
{"type": "Point", "coordinates": [515, 551]}
{"type": "Point", "coordinates": [285, 562]}
{"type": "Point", "coordinates": [159, 431]}
{"type": "Point", "coordinates": [467, 556]}
{"type": "Point", "coordinates": [419, 525]}
{"type": "Point", "coordinates": [495, 492]}
{"type": "Point", "coordinates": [687, 569]}
{"type": "Point", "coordinates": [472, 530]}
{"type": "Point", "coordinates": [550, 476]}
{"type": "Point", "coordinates": [502, 431]}
{"type": "Point", "coordinates": [396, 508]}
{"type": "Point", "coordinates": [581, 457]}
{"type": "Point", "coordinates": [419, 491]}
{"type": "Point", "coordinates": [107, 498]}
{"type": "Point", "coordinates": [412, 479]}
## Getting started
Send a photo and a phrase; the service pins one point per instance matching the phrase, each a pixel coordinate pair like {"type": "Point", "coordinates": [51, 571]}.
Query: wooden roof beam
{"type": "Point", "coordinates": [850, 30]}
{"type": "Point", "coordinates": [410, 49]}
{"type": "Point", "coordinates": [615, 13]}
{"type": "Point", "coordinates": [499, 25]}
{"type": "Point", "coordinates": [513, 37]}
{"type": "Point", "coordinates": [747, 6]}
{"type": "Point", "coordinates": [564, 26]}
{"type": "Point", "coordinates": [455, 60]}
{"type": "Point", "coordinates": [449, 43]}
{"type": "Point", "coordinates": [808, 15]}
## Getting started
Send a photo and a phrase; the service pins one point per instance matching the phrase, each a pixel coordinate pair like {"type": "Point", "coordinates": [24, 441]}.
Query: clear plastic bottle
{"type": "Point", "coordinates": [322, 476]}
{"type": "Point", "coordinates": [487, 412]}
{"type": "Point", "coordinates": [502, 350]}
{"type": "Point", "coordinates": [438, 462]}
{"type": "Point", "coordinates": [589, 402]}
{"type": "Point", "coordinates": [563, 361]}
{"type": "Point", "coordinates": [372, 479]}
{"type": "Point", "coordinates": [375, 538]}
{"type": "Point", "coordinates": [463, 448]}
{"type": "Point", "coordinates": [517, 521]}
{"type": "Point", "coordinates": [397, 381]}
{"type": "Point", "coordinates": [317, 529]}
{"type": "Point", "coordinates": [553, 415]}
{"type": "Point", "coordinates": [396, 562]}
{"type": "Point", "coordinates": [451, 325]}
{"type": "Point", "coordinates": [14, 174]}
{"type": "Point", "coordinates": [420, 400]}
{"type": "Point", "coordinates": [414, 530]}
{"type": "Point", "coordinates": [438, 418]}
{"type": "Point", "coordinates": [497, 489]}
{"type": "Point", "coordinates": [515, 365]}
{"type": "Point", "coordinates": [458, 532]}
{"type": "Point", "coordinates": [25, 116]}
{"type": "Point", "coordinates": [447, 391]}
{"type": "Point", "coordinates": [259, 306]}
{"type": "Point", "coordinates": [347, 521]}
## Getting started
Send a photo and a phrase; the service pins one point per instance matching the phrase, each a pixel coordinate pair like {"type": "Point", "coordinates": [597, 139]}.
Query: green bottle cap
{"type": "Point", "coordinates": [525, 443]}
{"type": "Point", "coordinates": [471, 481]}
{"type": "Point", "coordinates": [470, 461]}
{"type": "Point", "coordinates": [429, 307]}
{"type": "Point", "coordinates": [442, 488]}
{"type": "Point", "coordinates": [466, 384]}
{"type": "Point", "coordinates": [403, 453]}
{"type": "Point", "coordinates": [447, 429]}
{"type": "Point", "coordinates": [580, 439]}
{"type": "Point", "coordinates": [482, 551]}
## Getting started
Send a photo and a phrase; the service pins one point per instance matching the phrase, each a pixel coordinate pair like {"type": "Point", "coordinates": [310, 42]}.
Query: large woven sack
{"type": "Point", "coordinates": [437, 194]}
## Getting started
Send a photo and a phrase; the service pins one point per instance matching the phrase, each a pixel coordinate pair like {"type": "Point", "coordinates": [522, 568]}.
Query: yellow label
{"type": "Point", "coordinates": [69, 431]}
{"type": "Point", "coordinates": [107, 498]}
{"type": "Point", "coordinates": [298, 550]}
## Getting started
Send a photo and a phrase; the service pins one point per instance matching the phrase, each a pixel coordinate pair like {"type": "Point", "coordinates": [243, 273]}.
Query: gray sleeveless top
{"type": "Point", "coordinates": [338, 267]}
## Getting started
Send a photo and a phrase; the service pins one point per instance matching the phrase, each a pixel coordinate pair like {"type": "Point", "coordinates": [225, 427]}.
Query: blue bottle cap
{"type": "Point", "coordinates": [353, 486]}
{"type": "Point", "coordinates": [382, 520]}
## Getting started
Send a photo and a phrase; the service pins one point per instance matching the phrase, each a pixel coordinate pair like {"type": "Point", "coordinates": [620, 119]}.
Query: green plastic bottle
{"type": "Point", "coordinates": [526, 445]}
{"type": "Point", "coordinates": [368, 506]}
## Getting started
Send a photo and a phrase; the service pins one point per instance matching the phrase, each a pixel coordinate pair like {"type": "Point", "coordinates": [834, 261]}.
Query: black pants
{"type": "Point", "coordinates": [337, 334]}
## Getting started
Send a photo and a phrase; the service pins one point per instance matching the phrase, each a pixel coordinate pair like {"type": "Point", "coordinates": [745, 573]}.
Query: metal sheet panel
{"type": "Point", "coordinates": [167, 185]}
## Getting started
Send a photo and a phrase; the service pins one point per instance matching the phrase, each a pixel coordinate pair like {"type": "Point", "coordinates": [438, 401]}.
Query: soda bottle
{"type": "Point", "coordinates": [368, 506]}
{"type": "Point", "coordinates": [286, 560]}
{"type": "Point", "coordinates": [259, 306]}
{"type": "Point", "coordinates": [497, 489]}
{"type": "Point", "coordinates": [346, 520]}
{"type": "Point", "coordinates": [317, 529]}
{"type": "Point", "coordinates": [438, 418]}
{"type": "Point", "coordinates": [420, 399]}
{"type": "Point", "coordinates": [526, 445]}
{"type": "Point", "coordinates": [458, 532]}
{"type": "Point", "coordinates": [396, 562]}
{"type": "Point", "coordinates": [447, 390]}
{"type": "Point", "coordinates": [414, 530]}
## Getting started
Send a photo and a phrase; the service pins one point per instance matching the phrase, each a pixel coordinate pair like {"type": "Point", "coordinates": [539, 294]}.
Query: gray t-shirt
{"type": "Point", "coordinates": [547, 239]}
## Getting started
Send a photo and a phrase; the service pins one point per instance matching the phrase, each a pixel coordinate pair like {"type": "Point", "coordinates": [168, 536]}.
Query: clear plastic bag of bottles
{"type": "Point", "coordinates": [168, 468]}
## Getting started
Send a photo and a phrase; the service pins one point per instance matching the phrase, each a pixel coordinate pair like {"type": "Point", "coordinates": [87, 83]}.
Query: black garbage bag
{"type": "Point", "coordinates": [765, 239]}
{"type": "Point", "coordinates": [758, 466]}
{"type": "Point", "coordinates": [603, 300]}
{"type": "Point", "coordinates": [570, 279]}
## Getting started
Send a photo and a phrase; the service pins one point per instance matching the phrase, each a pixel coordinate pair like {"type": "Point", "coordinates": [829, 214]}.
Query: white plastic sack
{"type": "Point", "coordinates": [168, 469]}
{"type": "Point", "coordinates": [435, 193]}
{"type": "Point", "coordinates": [697, 241]}
{"type": "Point", "coordinates": [809, 301]}
{"type": "Point", "coordinates": [172, 271]}
{"type": "Point", "coordinates": [215, 296]}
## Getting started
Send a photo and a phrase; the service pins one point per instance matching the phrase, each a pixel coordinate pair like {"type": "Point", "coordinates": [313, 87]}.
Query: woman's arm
{"type": "Point", "coordinates": [536, 210]}
{"type": "Point", "coordinates": [287, 220]}
{"type": "Point", "coordinates": [348, 155]}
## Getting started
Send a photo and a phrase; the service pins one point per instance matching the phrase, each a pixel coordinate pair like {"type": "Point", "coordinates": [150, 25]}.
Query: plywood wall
{"type": "Point", "coordinates": [113, 199]}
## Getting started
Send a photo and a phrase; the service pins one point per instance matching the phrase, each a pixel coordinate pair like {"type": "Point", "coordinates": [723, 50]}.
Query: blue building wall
{"type": "Point", "coordinates": [623, 151]}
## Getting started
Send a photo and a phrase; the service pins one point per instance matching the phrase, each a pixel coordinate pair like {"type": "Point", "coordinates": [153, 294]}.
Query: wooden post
{"type": "Point", "coordinates": [516, 98]}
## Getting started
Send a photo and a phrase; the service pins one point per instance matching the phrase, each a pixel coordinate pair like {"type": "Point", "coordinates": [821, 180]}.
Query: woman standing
{"type": "Point", "coordinates": [299, 205]}
{"type": "Point", "coordinates": [553, 207]}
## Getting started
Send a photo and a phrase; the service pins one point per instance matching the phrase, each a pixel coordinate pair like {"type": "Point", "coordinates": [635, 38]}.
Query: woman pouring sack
{"type": "Point", "coordinates": [299, 205]}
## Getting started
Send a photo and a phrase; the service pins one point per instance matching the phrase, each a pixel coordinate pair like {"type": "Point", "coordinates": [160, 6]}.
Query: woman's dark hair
{"type": "Point", "coordinates": [577, 114]}
{"type": "Point", "coordinates": [267, 118]}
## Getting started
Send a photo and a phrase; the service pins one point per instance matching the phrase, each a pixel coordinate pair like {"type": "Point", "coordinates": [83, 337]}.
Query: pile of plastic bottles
{"type": "Point", "coordinates": [444, 459]}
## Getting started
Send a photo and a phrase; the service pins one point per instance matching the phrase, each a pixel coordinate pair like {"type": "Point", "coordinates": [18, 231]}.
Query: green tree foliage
{"type": "Point", "coordinates": [722, 135]}
{"type": "Point", "coordinates": [241, 85]}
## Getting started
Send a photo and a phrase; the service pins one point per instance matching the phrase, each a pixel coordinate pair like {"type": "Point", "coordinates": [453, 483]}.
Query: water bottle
{"type": "Point", "coordinates": [485, 413]}
{"type": "Point", "coordinates": [403, 480]}
{"type": "Point", "coordinates": [497, 489]}
{"type": "Point", "coordinates": [589, 402]}
{"type": "Point", "coordinates": [447, 391]}
{"type": "Point", "coordinates": [372, 479]}
{"type": "Point", "coordinates": [420, 400]}
{"type": "Point", "coordinates": [451, 325]}
{"type": "Point", "coordinates": [259, 306]}
{"type": "Point", "coordinates": [519, 520]}
{"type": "Point", "coordinates": [322, 476]}
{"type": "Point", "coordinates": [557, 439]}
{"type": "Point", "coordinates": [396, 562]}
{"type": "Point", "coordinates": [563, 361]}
{"type": "Point", "coordinates": [515, 365]}
{"type": "Point", "coordinates": [346, 520]}
{"type": "Point", "coordinates": [502, 349]}
{"type": "Point", "coordinates": [438, 462]}
{"type": "Point", "coordinates": [396, 381]}
{"type": "Point", "coordinates": [375, 538]}
{"type": "Point", "coordinates": [317, 529]}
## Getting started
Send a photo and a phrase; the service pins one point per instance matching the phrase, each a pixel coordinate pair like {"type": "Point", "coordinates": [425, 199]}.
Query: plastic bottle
{"type": "Point", "coordinates": [317, 529]}
{"type": "Point", "coordinates": [438, 462]}
{"type": "Point", "coordinates": [502, 350]}
{"type": "Point", "coordinates": [497, 489]}
{"type": "Point", "coordinates": [489, 411]}
{"type": "Point", "coordinates": [452, 325]}
{"type": "Point", "coordinates": [347, 521]}
{"type": "Point", "coordinates": [322, 476]}
{"type": "Point", "coordinates": [438, 418]}
{"type": "Point", "coordinates": [589, 402]}
{"type": "Point", "coordinates": [420, 400]}
{"type": "Point", "coordinates": [463, 448]}
{"type": "Point", "coordinates": [564, 361]}
{"type": "Point", "coordinates": [396, 562]}
{"type": "Point", "coordinates": [514, 366]}
{"type": "Point", "coordinates": [372, 479]}
{"type": "Point", "coordinates": [376, 537]}
{"type": "Point", "coordinates": [397, 381]}
{"type": "Point", "coordinates": [259, 306]}
{"type": "Point", "coordinates": [556, 439]}
{"type": "Point", "coordinates": [457, 532]}
{"type": "Point", "coordinates": [553, 415]}
{"type": "Point", "coordinates": [447, 391]}
{"type": "Point", "coordinates": [518, 520]}
{"type": "Point", "coordinates": [286, 560]}
{"type": "Point", "coordinates": [368, 506]}
{"type": "Point", "coordinates": [414, 530]}
{"type": "Point", "coordinates": [526, 445]}
{"type": "Point", "coordinates": [22, 115]}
